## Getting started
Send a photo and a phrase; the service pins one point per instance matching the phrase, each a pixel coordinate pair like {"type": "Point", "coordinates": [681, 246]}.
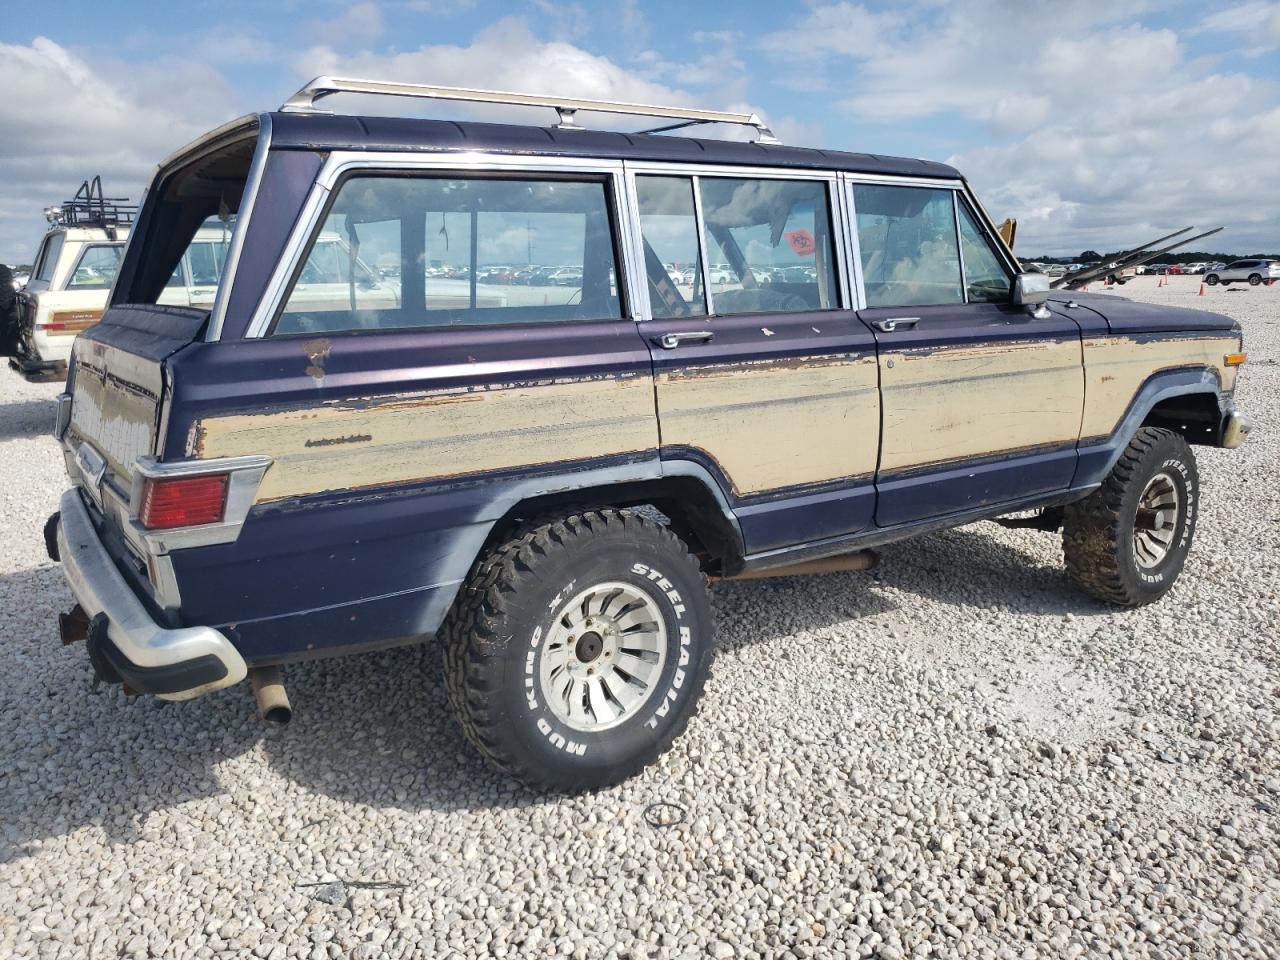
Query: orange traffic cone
{"type": "Point", "coordinates": [1201, 293]}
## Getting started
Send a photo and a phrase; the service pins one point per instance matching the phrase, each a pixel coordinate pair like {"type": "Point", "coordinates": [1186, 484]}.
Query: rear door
{"type": "Point", "coordinates": [765, 378]}
{"type": "Point", "coordinates": [982, 402]}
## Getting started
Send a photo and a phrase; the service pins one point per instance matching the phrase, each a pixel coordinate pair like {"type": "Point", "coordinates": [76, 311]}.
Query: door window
{"type": "Point", "coordinates": [672, 255]}
{"type": "Point", "coordinates": [907, 243]}
{"type": "Point", "coordinates": [985, 278]}
{"type": "Point", "coordinates": [97, 267]}
{"type": "Point", "coordinates": [400, 252]}
{"type": "Point", "coordinates": [769, 245]}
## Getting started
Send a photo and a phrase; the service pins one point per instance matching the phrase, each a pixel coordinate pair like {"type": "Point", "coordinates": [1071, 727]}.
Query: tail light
{"type": "Point", "coordinates": [169, 502]}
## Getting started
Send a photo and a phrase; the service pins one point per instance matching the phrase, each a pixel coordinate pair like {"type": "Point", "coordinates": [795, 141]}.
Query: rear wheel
{"type": "Point", "coordinates": [1127, 541]}
{"type": "Point", "coordinates": [577, 650]}
{"type": "Point", "coordinates": [1255, 279]}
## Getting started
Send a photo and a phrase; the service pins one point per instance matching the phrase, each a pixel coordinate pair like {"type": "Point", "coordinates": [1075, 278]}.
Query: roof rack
{"type": "Point", "coordinates": [304, 101]}
{"type": "Point", "coordinates": [89, 208]}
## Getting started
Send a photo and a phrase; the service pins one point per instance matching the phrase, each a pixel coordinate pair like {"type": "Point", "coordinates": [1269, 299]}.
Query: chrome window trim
{"type": "Point", "coordinates": [217, 316]}
{"type": "Point", "coordinates": [964, 276]}
{"type": "Point", "coordinates": [341, 163]}
{"type": "Point", "coordinates": [763, 171]}
{"type": "Point", "coordinates": [704, 266]}
{"type": "Point", "coordinates": [839, 253]}
{"type": "Point", "coordinates": [854, 264]}
{"type": "Point", "coordinates": [641, 306]}
{"type": "Point", "coordinates": [895, 180]}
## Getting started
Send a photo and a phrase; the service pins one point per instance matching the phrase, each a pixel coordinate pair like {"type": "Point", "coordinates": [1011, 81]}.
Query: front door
{"type": "Point", "coordinates": [982, 402]}
{"type": "Point", "coordinates": [765, 379]}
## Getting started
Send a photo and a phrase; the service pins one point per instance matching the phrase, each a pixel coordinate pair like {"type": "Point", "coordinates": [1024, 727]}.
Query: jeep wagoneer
{"type": "Point", "coordinates": [559, 380]}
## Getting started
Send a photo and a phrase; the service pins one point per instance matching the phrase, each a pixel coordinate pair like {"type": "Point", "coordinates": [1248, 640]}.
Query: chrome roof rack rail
{"type": "Point", "coordinates": [304, 101]}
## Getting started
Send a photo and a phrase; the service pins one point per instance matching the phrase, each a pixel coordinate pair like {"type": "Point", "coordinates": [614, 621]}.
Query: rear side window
{"type": "Point", "coordinates": [769, 245]}
{"type": "Point", "coordinates": [97, 267]}
{"type": "Point", "coordinates": [907, 243]}
{"type": "Point", "coordinates": [399, 252]}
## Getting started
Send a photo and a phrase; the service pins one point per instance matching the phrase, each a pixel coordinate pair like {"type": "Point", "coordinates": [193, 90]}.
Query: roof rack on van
{"type": "Point", "coordinates": [89, 208]}
{"type": "Point", "coordinates": [304, 101]}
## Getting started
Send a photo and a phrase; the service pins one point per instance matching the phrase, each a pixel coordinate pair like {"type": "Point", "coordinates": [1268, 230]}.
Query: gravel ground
{"type": "Point", "coordinates": [953, 755]}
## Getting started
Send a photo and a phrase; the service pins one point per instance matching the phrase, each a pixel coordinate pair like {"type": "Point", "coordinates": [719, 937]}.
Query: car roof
{"type": "Point", "coordinates": [294, 131]}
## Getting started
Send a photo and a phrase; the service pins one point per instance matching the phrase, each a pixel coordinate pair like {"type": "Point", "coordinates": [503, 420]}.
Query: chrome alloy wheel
{"type": "Point", "coordinates": [1156, 523]}
{"type": "Point", "coordinates": [603, 656]}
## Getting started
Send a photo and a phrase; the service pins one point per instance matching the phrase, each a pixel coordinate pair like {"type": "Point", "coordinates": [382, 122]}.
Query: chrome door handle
{"type": "Point", "coordinates": [890, 324]}
{"type": "Point", "coordinates": [669, 341]}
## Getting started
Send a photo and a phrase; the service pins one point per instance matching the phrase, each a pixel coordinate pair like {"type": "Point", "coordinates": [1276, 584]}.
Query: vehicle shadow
{"type": "Point", "coordinates": [375, 730]}
{"type": "Point", "coordinates": [26, 418]}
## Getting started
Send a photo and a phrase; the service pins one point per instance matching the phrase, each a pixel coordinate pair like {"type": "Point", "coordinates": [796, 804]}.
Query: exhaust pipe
{"type": "Point", "coordinates": [858, 560]}
{"type": "Point", "coordinates": [268, 691]}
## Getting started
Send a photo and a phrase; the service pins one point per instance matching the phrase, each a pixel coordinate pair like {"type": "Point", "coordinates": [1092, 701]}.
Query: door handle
{"type": "Point", "coordinates": [890, 324]}
{"type": "Point", "coordinates": [669, 341]}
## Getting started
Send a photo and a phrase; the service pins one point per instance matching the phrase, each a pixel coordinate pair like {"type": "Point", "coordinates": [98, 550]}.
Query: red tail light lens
{"type": "Point", "coordinates": [182, 501]}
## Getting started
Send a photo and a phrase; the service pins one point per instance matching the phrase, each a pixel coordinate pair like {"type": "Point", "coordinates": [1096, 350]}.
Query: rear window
{"type": "Point", "coordinates": [397, 252]}
{"type": "Point", "coordinates": [191, 216]}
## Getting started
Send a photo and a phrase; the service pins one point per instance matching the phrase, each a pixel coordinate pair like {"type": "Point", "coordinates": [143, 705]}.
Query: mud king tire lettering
{"type": "Point", "coordinates": [1126, 542]}
{"type": "Point", "coordinates": [577, 650]}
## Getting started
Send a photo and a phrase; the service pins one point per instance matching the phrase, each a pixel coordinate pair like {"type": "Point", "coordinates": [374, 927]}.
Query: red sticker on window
{"type": "Point", "coordinates": [802, 242]}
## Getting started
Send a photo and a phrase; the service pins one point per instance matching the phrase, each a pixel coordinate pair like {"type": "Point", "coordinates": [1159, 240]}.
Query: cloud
{"type": "Point", "coordinates": [357, 26]}
{"type": "Point", "coordinates": [1091, 128]}
{"type": "Point", "coordinates": [504, 56]}
{"type": "Point", "coordinates": [65, 121]}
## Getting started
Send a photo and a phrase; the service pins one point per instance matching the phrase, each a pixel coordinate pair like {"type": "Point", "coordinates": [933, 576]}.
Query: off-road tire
{"type": "Point", "coordinates": [1097, 532]}
{"type": "Point", "coordinates": [1211, 279]}
{"type": "Point", "coordinates": [1255, 279]}
{"type": "Point", "coordinates": [491, 647]}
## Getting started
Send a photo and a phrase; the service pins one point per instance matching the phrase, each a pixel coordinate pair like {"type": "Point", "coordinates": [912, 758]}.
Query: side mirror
{"type": "Point", "coordinates": [1031, 290]}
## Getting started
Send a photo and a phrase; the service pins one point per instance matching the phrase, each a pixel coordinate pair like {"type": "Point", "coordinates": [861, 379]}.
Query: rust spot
{"type": "Point", "coordinates": [317, 352]}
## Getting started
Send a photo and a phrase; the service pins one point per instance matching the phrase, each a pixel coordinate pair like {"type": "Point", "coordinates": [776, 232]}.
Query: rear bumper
{"type": "Point", "coordinates": [39, 370]}
{"type": "Point", "coordinates": [173, 664]}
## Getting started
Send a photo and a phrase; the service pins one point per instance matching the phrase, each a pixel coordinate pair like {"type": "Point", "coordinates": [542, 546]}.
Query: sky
{"type": "Point", "coordinates": [1096, 124]}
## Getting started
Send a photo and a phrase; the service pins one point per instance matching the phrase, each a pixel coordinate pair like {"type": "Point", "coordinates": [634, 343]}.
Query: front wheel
{"type": "Point", "coordinates": [577, 651]}
{"type": "Point", "coordinates": [1211, 279]}
{"type": "Point", "coordinates": [1255, 279]}
{"type": "Point", "coordinates": [1127, 541]}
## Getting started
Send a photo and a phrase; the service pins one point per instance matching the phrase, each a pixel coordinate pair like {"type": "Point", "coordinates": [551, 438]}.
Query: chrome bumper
{"type": "Point", "coordinates": [1235, 428]}
{"type": "Point", "coordinates": [151, 651]}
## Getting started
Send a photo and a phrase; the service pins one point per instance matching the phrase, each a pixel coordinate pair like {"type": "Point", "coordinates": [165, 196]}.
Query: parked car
{"type": "Point", "coordinates": [544, 488]}
{"type": "Point", "coordinates": [77, 263]}
{"type": "Point", "coordinates": [1252, 272]}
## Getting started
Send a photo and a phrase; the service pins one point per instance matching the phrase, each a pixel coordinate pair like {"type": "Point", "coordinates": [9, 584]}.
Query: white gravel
{"type": "Point", "coordinates": [953, 755]}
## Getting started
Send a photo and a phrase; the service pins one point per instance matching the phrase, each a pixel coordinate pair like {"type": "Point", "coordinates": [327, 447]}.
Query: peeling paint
{"type": "Point", "coordinates": [388, 440]}
{"type": "Point", "coordinates": [957, 403]}
{"type": "Point", "coordinates": [1116, 368]}
{"type": "Point", "coordinates": [776, 423]}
